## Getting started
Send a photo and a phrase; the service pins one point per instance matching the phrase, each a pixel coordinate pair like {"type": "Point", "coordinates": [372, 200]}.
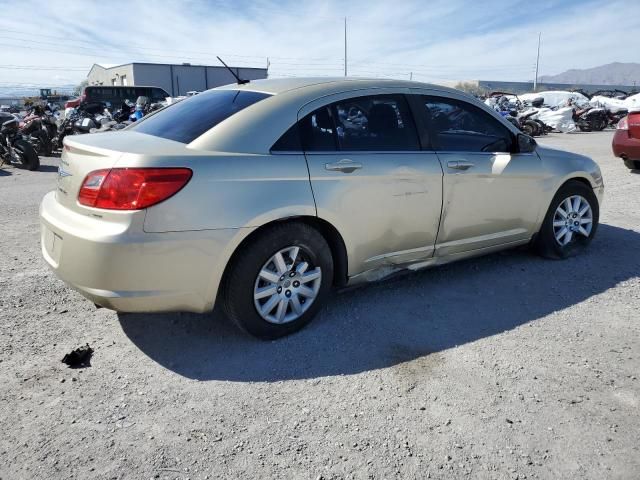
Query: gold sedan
{"type": "Point", "coordinates": [266, 195]}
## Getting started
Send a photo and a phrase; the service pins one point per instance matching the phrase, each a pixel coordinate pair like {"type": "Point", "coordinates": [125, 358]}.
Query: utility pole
{"type": "Point", "coordinates": [535, 81]}
{"type": "Point", "coordinates": [410, 75]}
{"type": "Point", "coordinates": [345, 46]}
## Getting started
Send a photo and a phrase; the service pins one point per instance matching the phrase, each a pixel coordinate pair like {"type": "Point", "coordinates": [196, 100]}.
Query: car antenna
{"type": "Point", "coordinates": [240, 80]}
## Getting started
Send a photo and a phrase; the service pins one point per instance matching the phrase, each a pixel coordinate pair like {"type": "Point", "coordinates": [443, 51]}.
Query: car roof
{"type": "Point", "coordinates": [256, 128]}
{"type": "Point", "coordinates": [275, 86]}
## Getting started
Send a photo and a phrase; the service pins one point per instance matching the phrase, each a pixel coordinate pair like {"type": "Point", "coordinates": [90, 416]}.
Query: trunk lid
{"type": "Point", "coordinates": [85, 153]}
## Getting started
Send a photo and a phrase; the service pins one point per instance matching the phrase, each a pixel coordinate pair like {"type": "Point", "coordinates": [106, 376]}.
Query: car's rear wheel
{"type": "Point", "coordinates": [278, 281]}
{"type": "Point", "coordinates": [570, 223]}
{"type": "Point", "coordinates": [632, 164]}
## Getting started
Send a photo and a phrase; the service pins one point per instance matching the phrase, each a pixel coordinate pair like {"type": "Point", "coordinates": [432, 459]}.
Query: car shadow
{"type": "Point", "coordinates": [5, 173]}
{"type": "Point", "coordinates": [392, 322]}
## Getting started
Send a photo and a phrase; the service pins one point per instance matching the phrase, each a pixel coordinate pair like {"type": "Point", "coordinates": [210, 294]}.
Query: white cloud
{"type": "Point", "coordinates": [436, 40]}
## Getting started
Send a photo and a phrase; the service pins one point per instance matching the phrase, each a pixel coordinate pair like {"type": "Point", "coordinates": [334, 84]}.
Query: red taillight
{"type": "Point", "coordinates": [623, 124]}
{"type": "Point", "coordinates": [633, 121]}
{"type": "Point", "coordinates": [131, 188]}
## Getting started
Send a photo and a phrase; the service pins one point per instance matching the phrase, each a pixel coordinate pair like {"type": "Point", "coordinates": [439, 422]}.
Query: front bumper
{"type": "Point", "coordinates": [117, 265]}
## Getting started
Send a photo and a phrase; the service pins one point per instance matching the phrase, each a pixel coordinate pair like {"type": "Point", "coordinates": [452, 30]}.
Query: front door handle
{"type": "Point", "coordinates": [459, 165]}
{"type": "Point", "coordinates": [345, 165]}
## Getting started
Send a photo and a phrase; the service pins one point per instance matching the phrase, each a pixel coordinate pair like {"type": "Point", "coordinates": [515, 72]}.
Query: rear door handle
{"type": "Point", "coordinates": [459, 165]}
{"type": "Point", "coordinates": [345, 165]}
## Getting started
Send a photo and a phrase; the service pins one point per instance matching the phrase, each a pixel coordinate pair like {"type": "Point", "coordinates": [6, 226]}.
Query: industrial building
{"type": "Point", "coordinates": [175, 79]}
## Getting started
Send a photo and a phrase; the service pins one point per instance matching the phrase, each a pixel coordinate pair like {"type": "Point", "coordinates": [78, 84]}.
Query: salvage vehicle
{"type": "Point", "coordinates": [262, 197]}
{"type": "Point", "coordinates": [15, 148]}
{"type": "Point", "coordinates": [589, 118]}
{"type": "Point", "coordinates": [116, 95]}
{"type": "Point", "coordinates": [626, 140]}
{"type": "Point", "coordinates": [35, 131]}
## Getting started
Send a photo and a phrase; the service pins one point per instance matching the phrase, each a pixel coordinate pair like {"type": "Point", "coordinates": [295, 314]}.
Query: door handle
{"type": "Point", "coordinates": [459, 165]}
{"type": "Point", "coordinates": [345, 165]}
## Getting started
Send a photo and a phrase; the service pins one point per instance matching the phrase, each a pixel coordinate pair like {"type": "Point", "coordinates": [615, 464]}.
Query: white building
{"type": "Point", "coordinates": [175, 79]}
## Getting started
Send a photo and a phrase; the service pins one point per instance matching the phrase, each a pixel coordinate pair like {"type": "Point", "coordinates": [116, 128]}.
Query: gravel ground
{"type": "Point", "coordinates": [507, 366]}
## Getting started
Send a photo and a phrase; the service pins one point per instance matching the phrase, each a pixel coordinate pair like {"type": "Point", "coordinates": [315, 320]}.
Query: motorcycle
{"type": "Point", "coordinates": [590, 118]}
{"type": "Point", "coordinates": [14, 148]}
{"type": "Point", "coordinates": [33, 127]}
{"type": "Point", "coordinates": [77, 121]}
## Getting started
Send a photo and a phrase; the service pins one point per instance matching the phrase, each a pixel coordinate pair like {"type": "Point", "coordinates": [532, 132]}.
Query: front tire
{"type": "Point", "coordinates": [570, 223]}
{"type": "Point", "coordinates": [277, 283]}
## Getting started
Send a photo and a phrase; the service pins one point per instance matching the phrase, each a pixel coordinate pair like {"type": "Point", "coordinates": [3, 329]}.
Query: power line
{"type": "Point", "coordinates": [138, 47]}
{"type": "Point", "coordinates": [35, 67]}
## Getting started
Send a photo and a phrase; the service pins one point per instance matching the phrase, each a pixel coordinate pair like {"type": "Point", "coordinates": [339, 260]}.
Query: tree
{"type": "Point", "coordinates": [471, 88]}
{"type": "Point", "coordinates": [80, 87]}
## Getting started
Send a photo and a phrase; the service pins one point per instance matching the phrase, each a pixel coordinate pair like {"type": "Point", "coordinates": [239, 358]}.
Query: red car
{"type": "Point", "coordinates": [626, 141]}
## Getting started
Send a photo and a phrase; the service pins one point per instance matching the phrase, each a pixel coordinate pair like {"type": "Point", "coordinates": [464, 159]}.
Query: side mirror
{"type": "Point", "coordinates": [526, 144]}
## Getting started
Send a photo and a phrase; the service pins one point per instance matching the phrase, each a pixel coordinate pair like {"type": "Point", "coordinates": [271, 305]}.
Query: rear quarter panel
{"type": "Point", "coordinates": [232, 191]}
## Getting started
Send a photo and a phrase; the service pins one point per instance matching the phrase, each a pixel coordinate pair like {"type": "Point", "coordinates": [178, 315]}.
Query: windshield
{"type": "Point", "coordinates": [188, 119]}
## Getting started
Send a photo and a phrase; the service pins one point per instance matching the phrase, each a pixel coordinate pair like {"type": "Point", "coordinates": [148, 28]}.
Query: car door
{"type": "Point", "coordinates": [490, 191]}
{"type": "Point", "coordinates": [370, 178]}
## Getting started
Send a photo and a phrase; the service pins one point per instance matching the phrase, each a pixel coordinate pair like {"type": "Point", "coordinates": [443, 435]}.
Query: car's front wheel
{"type": "Point", "coordinates": [571, 221]}
{"type": "Point", "coordinates": [278, 281]}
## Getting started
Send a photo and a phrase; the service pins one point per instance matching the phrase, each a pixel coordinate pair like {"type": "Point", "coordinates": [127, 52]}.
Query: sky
{"type": "Point", "coordinates": [49, 43]}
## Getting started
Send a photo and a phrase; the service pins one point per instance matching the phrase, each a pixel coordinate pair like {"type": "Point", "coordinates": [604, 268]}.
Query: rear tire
{"type": "Point", "coordinates": [528, 129]}
{"type": "Point", "coordinates": [246, 288]}
{"type": "Point", "coordinates": [550, 242]}
{"type": "Point", "coordinates": [534, 127]}
{"type": "Point", "coordinates": [44, 143]}
{"type": "Point", "coordinates": [632, 164]}
{"type": "Point", "coordinates": [47, 143]}
{"type": "Point", "coordinates": [28, 156]}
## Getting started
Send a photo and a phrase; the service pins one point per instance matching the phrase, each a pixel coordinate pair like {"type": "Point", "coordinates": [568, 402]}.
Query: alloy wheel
{"type": "Point", "coordinates": [286, 285]}
{"type": "Point", "coordinates": [572, 220]}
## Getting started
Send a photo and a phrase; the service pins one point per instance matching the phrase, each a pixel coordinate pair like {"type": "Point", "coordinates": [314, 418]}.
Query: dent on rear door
{"type": "Point", "coordinates": [388, 208]}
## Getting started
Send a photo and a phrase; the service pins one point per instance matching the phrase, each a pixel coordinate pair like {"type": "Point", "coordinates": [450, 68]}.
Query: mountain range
{"type": "Point", "coordinates": [609, 74]}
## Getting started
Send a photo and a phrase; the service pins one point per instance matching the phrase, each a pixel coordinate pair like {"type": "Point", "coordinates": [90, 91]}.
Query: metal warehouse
{"type": "Point", "coordinates": [175, 79]}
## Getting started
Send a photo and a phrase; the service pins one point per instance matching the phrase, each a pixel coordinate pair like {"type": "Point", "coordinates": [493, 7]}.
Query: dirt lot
{"type": "Point", "coordinates": [508, 366]}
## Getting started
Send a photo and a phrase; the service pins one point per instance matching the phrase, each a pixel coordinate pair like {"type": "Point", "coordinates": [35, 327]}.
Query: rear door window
{"type": "Point", "coordinates": [371, 123]}
{"type": "Point", "coordinates": [317, 131]}
{"type": "Point", "coordinates": [459, 126]}
{"type": "Point", "coordinates": [187, 120]}
{"type": "Point", "coordinates": [375, 123]}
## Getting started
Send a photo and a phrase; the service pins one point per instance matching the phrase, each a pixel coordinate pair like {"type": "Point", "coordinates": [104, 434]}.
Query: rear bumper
{"type": "Point", "coordinates": [624, 146]}
{"type": "Point", "coordinates": [121, 267]}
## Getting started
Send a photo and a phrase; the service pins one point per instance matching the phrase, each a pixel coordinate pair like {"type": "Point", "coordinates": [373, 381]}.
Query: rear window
{"type": "Point", "coordinates": [187, 120]}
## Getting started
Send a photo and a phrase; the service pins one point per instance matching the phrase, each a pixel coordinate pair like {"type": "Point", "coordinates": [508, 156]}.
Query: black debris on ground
{"type": "Point", "coordinates": [79, 358]}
